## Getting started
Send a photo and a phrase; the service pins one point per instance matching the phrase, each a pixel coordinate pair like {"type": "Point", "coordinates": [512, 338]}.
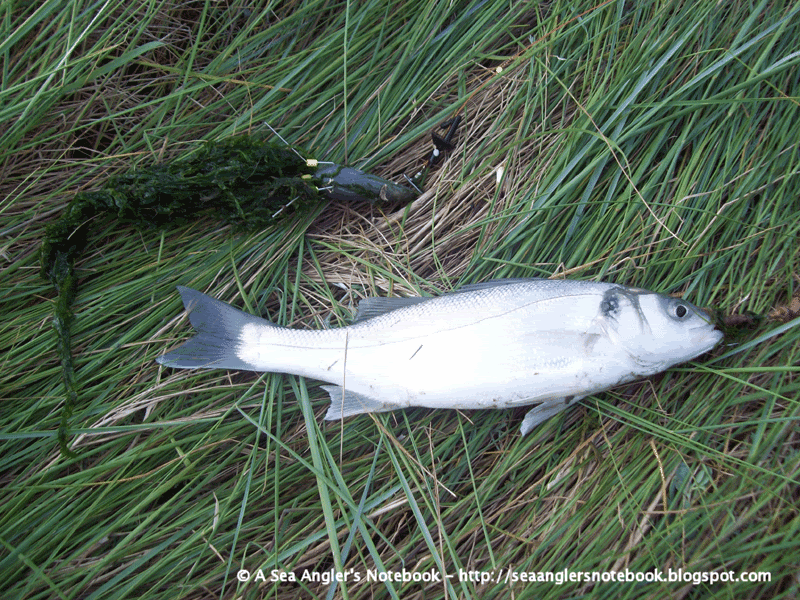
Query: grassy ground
{"type": "Point", "coordinates": [654, 144]}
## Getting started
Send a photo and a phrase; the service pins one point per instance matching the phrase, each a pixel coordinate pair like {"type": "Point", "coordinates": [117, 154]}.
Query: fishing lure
{"type": "Point", "coordinates": [248, 182]}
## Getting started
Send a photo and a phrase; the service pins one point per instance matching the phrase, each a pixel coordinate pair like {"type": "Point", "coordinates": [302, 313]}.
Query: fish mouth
{"type": "Point", "coordinates": [706, 339]}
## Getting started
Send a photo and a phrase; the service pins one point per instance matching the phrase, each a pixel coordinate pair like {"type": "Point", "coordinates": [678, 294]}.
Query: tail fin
{"type": "Point", "coordinates": [219, 327]}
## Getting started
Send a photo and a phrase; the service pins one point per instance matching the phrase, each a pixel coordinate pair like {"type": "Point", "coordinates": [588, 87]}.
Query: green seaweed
{"type": "Point", "coordinates": [249, 183]}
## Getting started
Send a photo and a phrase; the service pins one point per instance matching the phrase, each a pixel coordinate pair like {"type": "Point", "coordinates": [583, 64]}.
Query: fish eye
{"type": "Point", "coordinates": [680, 311]}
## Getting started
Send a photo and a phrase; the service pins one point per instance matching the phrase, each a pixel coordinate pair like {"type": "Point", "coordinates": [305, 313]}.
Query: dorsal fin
{"type": "Point", "coordinates": [369, 308]}
{"type": "Point", "coordinates": [493, 283]}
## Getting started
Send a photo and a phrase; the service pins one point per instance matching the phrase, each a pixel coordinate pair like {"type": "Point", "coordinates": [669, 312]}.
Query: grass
{"type": "Point", "coordinates": [654, 145]}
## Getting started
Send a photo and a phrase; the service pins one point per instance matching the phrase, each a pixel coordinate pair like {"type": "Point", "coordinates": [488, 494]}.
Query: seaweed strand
{"type": "Point", "coordinates": [247, 182]}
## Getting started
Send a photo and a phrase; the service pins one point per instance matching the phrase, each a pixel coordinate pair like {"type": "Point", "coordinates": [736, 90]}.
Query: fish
{"type": "Point", "coordinates": [498, 344]}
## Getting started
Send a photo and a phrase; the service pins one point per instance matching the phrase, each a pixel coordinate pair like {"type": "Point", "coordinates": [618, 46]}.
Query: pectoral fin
{"type": "Point", "coordinates": [541, 412]}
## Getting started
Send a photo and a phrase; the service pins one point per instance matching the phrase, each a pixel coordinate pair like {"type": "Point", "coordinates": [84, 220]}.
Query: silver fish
{"type": "Point", "coordinates": [498, 344]}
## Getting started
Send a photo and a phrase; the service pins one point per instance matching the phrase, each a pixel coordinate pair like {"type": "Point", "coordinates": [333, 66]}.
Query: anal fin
{"type": "Point", "coordinates": [346, 403]}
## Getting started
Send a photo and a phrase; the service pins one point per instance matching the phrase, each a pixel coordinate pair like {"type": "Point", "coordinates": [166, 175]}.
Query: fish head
{"type": "Point", "coordinates": [656, 331]}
